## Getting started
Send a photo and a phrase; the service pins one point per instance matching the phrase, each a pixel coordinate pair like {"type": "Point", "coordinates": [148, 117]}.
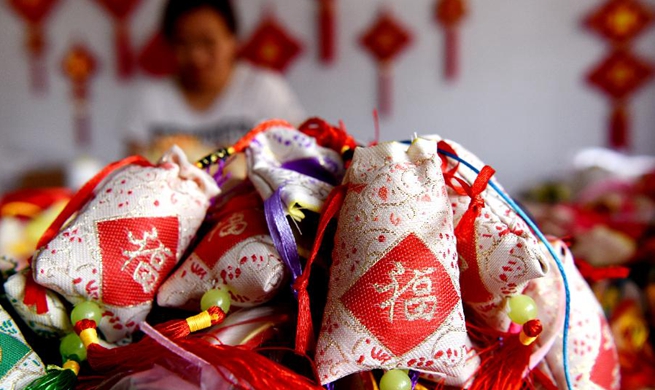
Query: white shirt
{"type": "Point", "coordinates": [252, 95]}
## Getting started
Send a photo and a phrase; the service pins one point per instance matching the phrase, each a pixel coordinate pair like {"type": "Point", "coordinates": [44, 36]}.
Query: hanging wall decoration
{"type": "Point", "coordinates": [121, 10]}
{"type": "Point", "coordinates": [385, 39]}
{"type": "Point", "coordinates": [326, 30]}
{"type": "Point", "coordinates": [35, 12]}
{"type": "Point", "coordinates": [449, 14]}
{"type": "Point", "coordinates": [79, 66]}
{"type": "Point", "coordinates": [156, 58]}
{"type": "Point", "coordinates": [621, 72]}
{"type": "Point", "coordinates": [271, 46]}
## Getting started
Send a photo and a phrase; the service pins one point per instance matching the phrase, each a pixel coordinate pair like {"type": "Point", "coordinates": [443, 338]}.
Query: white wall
{"type": "Point", "coordinates": [521, 103]}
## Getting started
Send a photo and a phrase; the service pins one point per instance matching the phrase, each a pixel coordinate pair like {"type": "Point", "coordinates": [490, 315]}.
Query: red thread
{"type": "Point", "coordinates": [449, 174]}
{"type": "Point", "coordinates": [326, 135]}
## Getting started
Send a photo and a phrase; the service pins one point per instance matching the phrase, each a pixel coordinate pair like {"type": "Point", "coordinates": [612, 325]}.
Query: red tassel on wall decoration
{"type": "Point", "coordinates": [449, 13]}
{"type": "Point", "coordinates": [618, 131]}
{"type": "Point", "coordinates": [121, 10]}
{"type": "Point", "coordinates": [621, 73]}
{"type": "Point", "coordinates": [326, 30]}
{"type": "Point", "coordinates": [79, 65]}
{"type": "Point", "coordinates": [385, 39]}
{"type": "Point", "coordinates": [35, 12]}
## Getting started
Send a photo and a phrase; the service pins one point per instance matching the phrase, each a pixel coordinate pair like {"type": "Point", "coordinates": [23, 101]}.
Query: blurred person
{"type": "Point", "coordinates": [213, 99]}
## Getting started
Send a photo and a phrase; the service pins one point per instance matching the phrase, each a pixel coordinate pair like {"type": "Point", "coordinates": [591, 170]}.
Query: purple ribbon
{"type": "Point", "coordinates": [311, 167]}
{"type": "Point", "coordinates": [281, 233]}
{"type": "Point", "coordinates": [414, 375]}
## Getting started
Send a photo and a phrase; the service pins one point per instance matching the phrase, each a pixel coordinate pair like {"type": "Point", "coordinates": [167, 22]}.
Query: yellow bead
{"type": "Point", "coordinates": [215, 297]}
{"type": "Point", "coordinates": [522, 309]}
{"type": "Point", "coordinates": [395, 380]}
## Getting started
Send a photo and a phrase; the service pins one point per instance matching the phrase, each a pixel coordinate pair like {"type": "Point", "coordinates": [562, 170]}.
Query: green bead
{"type": "Point", "coordinates": [71, 346]}
{"type": "Point", "coordinates": [86, 310]}
{"type": "Point", "coordinates": [215, 297]}
{"type": "Point", "coordinates": [522, 309]}
{"type": "Point", "coordinates": [395, 380]}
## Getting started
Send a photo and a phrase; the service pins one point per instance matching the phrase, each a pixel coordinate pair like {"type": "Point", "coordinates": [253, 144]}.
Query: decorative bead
{"type": "Point", "coordinates": [522, 309]}
{"type": "Point", "coordinates": [72, 348]}
{"type": "Point", "coordinates": [86, 310]}
{"type": "Point", "coordinates": [531, 330]}
{"type": "Point", "coordinates": [215, 297]}
{"type": "Point", "coordinates": [395, 380]}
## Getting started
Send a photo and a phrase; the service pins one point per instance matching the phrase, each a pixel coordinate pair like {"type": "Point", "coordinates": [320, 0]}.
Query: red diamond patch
{"type": "Point", "coordinates": [137, 255]}
{"type": "Point", "coordinates": [231, 230]}
{"type": "Point", "coordinates": [404, 297]}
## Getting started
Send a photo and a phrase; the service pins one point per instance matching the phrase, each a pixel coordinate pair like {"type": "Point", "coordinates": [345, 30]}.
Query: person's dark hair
{"type": "Point", "coordinates": [175, 9]}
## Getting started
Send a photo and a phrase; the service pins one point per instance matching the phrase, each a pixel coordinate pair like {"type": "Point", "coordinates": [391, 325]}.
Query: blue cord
{"type": "Point", "coordinates": [560, 266]}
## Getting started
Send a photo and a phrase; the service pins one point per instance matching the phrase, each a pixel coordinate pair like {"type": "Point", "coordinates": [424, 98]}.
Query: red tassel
{"type": "Point", "coordinates": [326, 30]}
{"type": "Point", "coordinates": [124, 54]}
{"type": "Point", "coordinates": [242, 368]}
{"type": "Point", "coordinates": [249, 369]}
{"type": "Point", "coordinates": [503, 365]}
{"type": "Point", "coordinates": [36, 44]}
{"type": "Point", "coordinates": [619, 128]}
{"type": "Point", "coordinates": [385, 87]}
{"type": "Point", "coordinates": [451, 66]}
{"type": "Point", "coordinates": [143, 353]}
{"type": "Point", "coordinates": [505, 359]}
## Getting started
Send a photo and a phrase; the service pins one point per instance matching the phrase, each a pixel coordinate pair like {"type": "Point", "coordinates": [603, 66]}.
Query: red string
{"type": "Point", "coordinates": [467, 223]}
{"type": "Point", "coordinates": [326, 135]}
{"type": "Point", "coordinates": [305, 329]}
{"type": "Point", "coordinates": [449, 174]}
